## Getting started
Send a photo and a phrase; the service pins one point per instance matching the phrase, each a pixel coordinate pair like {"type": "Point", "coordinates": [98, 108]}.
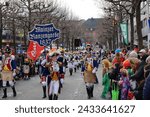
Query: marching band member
{"type": "Point", "coordinates": [8, 72]}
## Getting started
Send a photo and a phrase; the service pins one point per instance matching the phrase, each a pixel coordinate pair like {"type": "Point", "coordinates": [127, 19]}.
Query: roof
{"type": "Point", "coordinates": [92, 23]}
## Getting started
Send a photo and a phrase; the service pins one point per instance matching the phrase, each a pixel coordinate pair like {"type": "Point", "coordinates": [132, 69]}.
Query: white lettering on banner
{"type": "Point", "coordinates": [48, 29]}
{"type": "Point", "coordinates": [33, 52]}
{"type": "Point", "coordinates": [45, 36]}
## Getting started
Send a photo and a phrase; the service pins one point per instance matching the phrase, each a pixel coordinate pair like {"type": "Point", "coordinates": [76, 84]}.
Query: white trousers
{"type": "Point", "coordinates": [89, 84]}
{"type": "Point", "coordinates": [54, 87]}
{"type": "Point", "coordinates": [11, 83]}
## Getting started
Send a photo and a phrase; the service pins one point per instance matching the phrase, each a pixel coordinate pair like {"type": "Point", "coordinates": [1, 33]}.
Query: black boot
{"type": "Point", "coordinates": [88, 92]}
{"type": "Point", "coordinates": [55, 97]}
{"type": "Point", "coordinates": [44, 92]}
{"type": "Point", "coordinates": [60, 86]}
{"type": "Point", "coordinates": [91, 91]}
{"type": "Point", "coordinates": [5, 93]}
{"type": "Point", "coordinates": [70, 70]}
{"type": "Point", "coordinates": [50, 97]}
{"type": "Point", "coordinates": [14, 91]}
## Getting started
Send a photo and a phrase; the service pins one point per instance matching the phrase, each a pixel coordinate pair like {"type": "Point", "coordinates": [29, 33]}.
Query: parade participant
{"type": "Point", "coordinates": [83, 64]}
{"type": "Point", "coordinates": [95, 61]}
{"type": "Point", "coordinates": [70, 67]}
{"type": "Point", "coordinates": [8, 72]}
{"type": "Point", "coordinates": [75, 63]}
{"type": "Point", "coordinates": [26, 69]}
{"type": "Point", "coordinates": [89, 74]}
{"type": "Point", "coordinates": [45, 64]}
{"type": "Point", "coordinates": [62, 64]}
{"type": "Point", "coordinates": [54, 84]}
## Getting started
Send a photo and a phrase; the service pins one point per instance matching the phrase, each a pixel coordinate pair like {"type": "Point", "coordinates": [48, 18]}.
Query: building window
{"type": "Point", "coordinates": [144, 23]}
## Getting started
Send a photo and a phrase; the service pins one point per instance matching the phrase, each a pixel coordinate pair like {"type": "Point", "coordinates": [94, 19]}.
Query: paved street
{"type": "Point", "coordinates": [73, 89]}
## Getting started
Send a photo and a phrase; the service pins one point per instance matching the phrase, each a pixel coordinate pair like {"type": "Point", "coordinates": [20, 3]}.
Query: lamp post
{"type": "Point", "coordinates": [1, 22]}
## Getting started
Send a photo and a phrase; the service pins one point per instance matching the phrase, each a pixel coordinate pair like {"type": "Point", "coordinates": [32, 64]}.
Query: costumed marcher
{"type": "Point", "coordinates": [45, 72]}
{"type": "Point", "coordinates": [70, 67]}
{"type": "Point", "coordinates": [82, 61]}
{"type": "Point", "coordinates": [89, 74]}
{"type": "Point", "coordinates": [8, 72]}
{"type": "Point", "coordinates": [106, 81]}
{"type": "Point", "coordinates": [62, 65]}
{"type": "Point", "coordinates": [75, 63]}
{"type": "Point", "coordinates": [54, 84]}
{"type": "Point", "coordinates": [26, 69]}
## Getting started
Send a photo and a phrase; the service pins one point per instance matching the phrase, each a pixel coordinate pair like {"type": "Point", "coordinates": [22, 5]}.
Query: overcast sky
{"type": "Point", "coordinates": [84, 9]}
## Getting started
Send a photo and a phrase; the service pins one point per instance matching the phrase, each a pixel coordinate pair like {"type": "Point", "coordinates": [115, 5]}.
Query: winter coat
{"type": "Point", "coordinates": [106, 84]}
{"type": "Point", "coordinates": [139, 75]}
{"type": "Point", "coordinates": [146, 89]}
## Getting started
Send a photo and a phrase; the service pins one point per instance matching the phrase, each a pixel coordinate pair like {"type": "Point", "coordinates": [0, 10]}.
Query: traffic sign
{"type": "Point", "coordinates": [45, 34]}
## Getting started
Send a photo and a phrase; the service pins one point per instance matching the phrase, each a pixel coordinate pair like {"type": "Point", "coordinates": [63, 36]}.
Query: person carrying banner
{"type": "Point", "coordinates": [8, 72]}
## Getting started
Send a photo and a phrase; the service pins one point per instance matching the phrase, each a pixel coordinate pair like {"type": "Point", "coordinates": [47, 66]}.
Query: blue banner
{"type": "Point", "coordinates": [44, 34]}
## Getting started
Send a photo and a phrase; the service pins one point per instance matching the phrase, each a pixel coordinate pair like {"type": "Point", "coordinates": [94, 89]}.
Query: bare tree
{"type": "Point", "coordinates": [128, 8]}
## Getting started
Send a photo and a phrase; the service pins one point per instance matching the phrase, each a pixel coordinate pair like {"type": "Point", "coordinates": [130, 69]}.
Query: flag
{"type": "Point", "coordinates": [34, 50]}
{"type": "Point", "coordinates": [124, 30]}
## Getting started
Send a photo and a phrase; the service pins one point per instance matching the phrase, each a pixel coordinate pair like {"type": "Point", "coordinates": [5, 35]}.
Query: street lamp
{"type": "Point", "coordinates": [1, 22]}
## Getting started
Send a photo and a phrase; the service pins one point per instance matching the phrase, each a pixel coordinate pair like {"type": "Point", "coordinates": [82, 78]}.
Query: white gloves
{"type": "Point", "coordinates": [94, 70]}
{"type": "Point", "coordinates": [14, 74]}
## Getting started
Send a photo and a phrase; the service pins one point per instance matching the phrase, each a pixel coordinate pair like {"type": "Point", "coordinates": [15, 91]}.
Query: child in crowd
{"type": "Point", "coordinates": [124, 84]}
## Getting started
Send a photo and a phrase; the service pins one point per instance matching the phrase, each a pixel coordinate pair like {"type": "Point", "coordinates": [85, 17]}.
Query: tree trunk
{"type": "Point", "coordinates": [110, 43]}
{"type": "Point", "coordinates": [72, 44]}
{"type": "Point", "coordinates": [25, 40]}
{"type": "Point", "coordinates": [14, 35]}
{"type": "Point", "coordinates": [29, 17]}
{"type": "Point", "coordinates": [139, 26]}
{"type": "Point", "coordinates": [1, 27]}
{"type": "Point", "coordinates": [132, 30]}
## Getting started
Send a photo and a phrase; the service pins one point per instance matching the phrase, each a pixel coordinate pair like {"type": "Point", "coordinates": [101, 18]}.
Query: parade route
{"type": "Point", "coordinates": [73, 88]}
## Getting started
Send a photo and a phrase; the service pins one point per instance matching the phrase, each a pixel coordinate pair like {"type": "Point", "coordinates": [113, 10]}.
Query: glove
{"type": "Point", "coordinates": [94, 70]}
{"type": "Point", "coordinates": [14, 74]}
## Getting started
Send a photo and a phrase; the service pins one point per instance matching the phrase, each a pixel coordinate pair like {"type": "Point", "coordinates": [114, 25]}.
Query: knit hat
{"type": "Point", "coordinates": [126, 64]}
{"type": "Point", "coordinates": [133, 54]}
